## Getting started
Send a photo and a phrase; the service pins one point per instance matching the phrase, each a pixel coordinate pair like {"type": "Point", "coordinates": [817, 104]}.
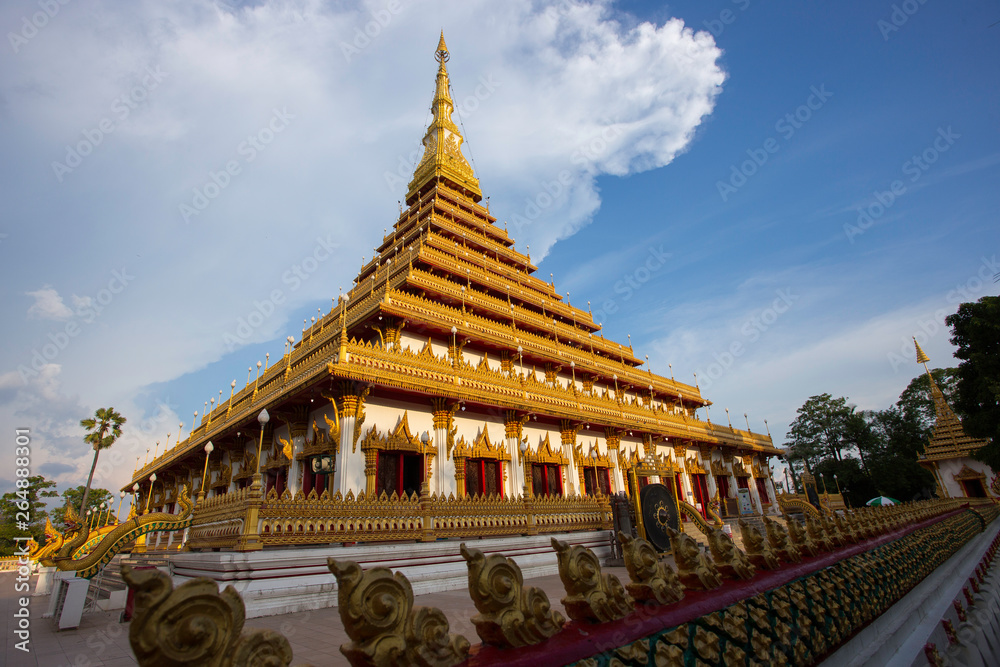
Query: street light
{"type": "Point", "coordinates": [152, 480]}
{"type": "Point", "coordinates": [424, 484]}
{"type": "Point", "coordinates": [201, 491]}
{"type": "Point", "coordinates": [523, 446]}
{"type": "Point", "coordinates": [262, 419]}
{"type": "Point", "coordinates": [118, 512]}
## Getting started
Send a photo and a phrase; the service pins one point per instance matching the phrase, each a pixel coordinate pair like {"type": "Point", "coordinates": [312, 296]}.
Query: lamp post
{"type": "Point", "coordinates": [425, 438]}
{"type": "Point", "coordinates": [152, 480]}
{"type": "Point", "coordinates": [523, 446]}
{"type": "Point", "coordinates": [201, 491]}
{"type": "Point", "coordinates": [232, 388]}
{"type": "Point", "coordinates": [118, 512]}
{"type": "Point", "coordinates": [90, 520]}
{"type": "Point", "coordinates": [262, 419]}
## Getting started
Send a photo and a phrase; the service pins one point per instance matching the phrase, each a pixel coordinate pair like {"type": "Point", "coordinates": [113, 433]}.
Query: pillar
{"type": "Point", "coordinates": [753, 492]}
{"type": "Point", "coordinates": [706, 463]}
{"type": "Point", "coordinates": [567, 432]}
{"type": "Point", "coordinates": [297, 431]}
{"type": "Point", "coordinates": [350, 465]}
{"type": "Point", "coordinates": [513, 432]}
{"type": "Point", "coordinates": [613, 439]}
{"type": "Point", "coordinates": [680, 456]}
{"type": "Point", "coordinates": [443, 477]}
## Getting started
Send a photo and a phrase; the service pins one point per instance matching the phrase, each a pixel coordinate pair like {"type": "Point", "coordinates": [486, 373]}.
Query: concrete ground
{"type": "Point", "coordinates": [315, 636]}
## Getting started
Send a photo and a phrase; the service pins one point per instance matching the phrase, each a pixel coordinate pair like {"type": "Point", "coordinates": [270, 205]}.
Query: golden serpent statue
{"type": "Point", "coordinates": [122, 534]}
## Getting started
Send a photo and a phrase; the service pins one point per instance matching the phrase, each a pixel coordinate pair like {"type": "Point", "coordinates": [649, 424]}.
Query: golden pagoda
{"type": "Point", "coordinates": [948, 454]}
{"type": "Point", "coordinates": [450, 392]}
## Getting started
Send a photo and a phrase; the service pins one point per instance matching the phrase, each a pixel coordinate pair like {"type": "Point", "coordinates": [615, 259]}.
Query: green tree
{"type": "Point", "coordinates": [25, 500]}
{"type": "Point", "coordinates": [856, 486]}
{"type": "Point", "coordinates": [976, 332]}
{"type": "Point", "coordinates": [104, 429]}
{"type": "Point", "coordinates": [818, 429]}
{"type": "Point", "coordinates": [96, 501]}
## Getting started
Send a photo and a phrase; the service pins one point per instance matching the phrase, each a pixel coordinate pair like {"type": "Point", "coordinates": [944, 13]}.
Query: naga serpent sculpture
{"type": "Point", "coordinates": [122, 534]}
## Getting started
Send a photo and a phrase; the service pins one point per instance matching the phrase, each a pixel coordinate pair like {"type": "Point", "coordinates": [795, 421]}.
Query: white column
{"type": "Point", "coordinates": [709, 477]}
{"type": "Point", "coordinates": [754, 494]}
{"type": "Point", "coordinates": [443, 480]}
{"type": "Point", "coordinates": [617, 478]}
{"type": "Point", "coordinates": [294, 481]}
{"type": "Point", "coordinates": [774, 498]}
{"type": "Point", "coordinates": [516, 477]}
{"type": "Point", "coordinates": [350, 473]}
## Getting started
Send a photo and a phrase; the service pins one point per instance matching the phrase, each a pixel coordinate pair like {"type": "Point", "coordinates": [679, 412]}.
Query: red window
{"type": "Point", "coordinates": [546, 479]}
{"type": "Point", "coordinates": [483, 477]}
{"type": "Point", "coordinates": [596, 479]}
{"type": "Point", "coordinates": [397, 472]}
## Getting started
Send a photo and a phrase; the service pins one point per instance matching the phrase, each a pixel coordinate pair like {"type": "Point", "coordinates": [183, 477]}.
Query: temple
{"type": "Point", "coordinates": [948, 455]}
{"type": "Point", "coordinates": [450, 392]}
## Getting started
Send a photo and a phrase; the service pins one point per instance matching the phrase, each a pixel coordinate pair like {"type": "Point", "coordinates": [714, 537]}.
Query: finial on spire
{"type": "Point", "coordinates": [441, 54]}
{"type": "Point", "coordinates": [921, 357]}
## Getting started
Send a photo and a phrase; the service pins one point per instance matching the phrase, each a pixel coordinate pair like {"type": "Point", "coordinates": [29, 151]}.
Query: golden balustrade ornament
{"type": "Point", "coordinates": [758, 548]}
{"type": "Point", "coordinates": [510, 614]}
{"type": "Point", "coordinates": [730, 561]}
{"type": "Point", "coordinates": [777, 537]}
{"type": "Point", "coordinates": [799, 536]}
{"type": "Point", "coordinates": [592, 596]}
{"type": "Point", "coordinates": [386, 630]}
{"type": "Point", "coordinates": [652, 579]}
{"type": "Point", "coordinates": [694, 570]}
{"type": "Point", "coordinates": [195, 624]}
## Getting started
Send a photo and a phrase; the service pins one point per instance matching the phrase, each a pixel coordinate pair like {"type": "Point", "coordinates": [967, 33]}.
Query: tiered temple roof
{"type": "Point", "coordinates": [446, 271]}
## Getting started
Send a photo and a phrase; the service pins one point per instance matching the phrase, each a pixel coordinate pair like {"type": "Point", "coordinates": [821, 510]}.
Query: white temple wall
{"type": "Point", "coordinates": [948, 468]}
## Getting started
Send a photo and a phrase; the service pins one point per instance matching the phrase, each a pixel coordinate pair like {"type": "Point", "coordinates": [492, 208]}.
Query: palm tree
{"type": "Point", "coordinates": [105, 428]}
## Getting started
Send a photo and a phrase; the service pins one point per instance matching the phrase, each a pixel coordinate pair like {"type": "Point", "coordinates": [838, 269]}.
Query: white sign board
{"type": "Point", "coordinates": [746, 501]}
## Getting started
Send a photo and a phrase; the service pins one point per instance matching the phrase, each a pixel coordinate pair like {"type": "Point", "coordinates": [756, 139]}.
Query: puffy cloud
{"type": "Point", "coordinates": [48, 305]}
{"type": "Point", "coordinates": [120, 114]}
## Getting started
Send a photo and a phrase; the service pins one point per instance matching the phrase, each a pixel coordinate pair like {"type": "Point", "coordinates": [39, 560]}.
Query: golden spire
{"type": "Point", "coordinates": [443, 142]}
{"type": "Point", "coordinates": [921, 357]}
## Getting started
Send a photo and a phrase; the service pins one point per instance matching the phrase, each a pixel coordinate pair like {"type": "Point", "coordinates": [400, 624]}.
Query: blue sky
{"type": "Point", "coordinates": [747, 151]}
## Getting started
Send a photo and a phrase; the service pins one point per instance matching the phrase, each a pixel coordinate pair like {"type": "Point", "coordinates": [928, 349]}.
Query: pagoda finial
{"type": "Point", "coordinates": [442, 55]}
{"type": "Point", "coordinates": [443, 159]}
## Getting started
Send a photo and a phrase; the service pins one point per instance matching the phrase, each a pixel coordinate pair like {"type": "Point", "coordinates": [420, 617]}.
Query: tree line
{"type": "Point", "coordinates": [868, 453]}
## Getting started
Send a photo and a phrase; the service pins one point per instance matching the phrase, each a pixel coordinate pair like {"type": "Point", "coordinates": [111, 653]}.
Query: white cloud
{"type": "Point", "coordinates": [48, 305]}
{"type": "Point", "coordinates": [585, 90]}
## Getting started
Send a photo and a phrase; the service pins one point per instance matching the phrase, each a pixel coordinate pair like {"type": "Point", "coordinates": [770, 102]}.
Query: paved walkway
{"type": "Point", "coordinates": [315, 636]}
